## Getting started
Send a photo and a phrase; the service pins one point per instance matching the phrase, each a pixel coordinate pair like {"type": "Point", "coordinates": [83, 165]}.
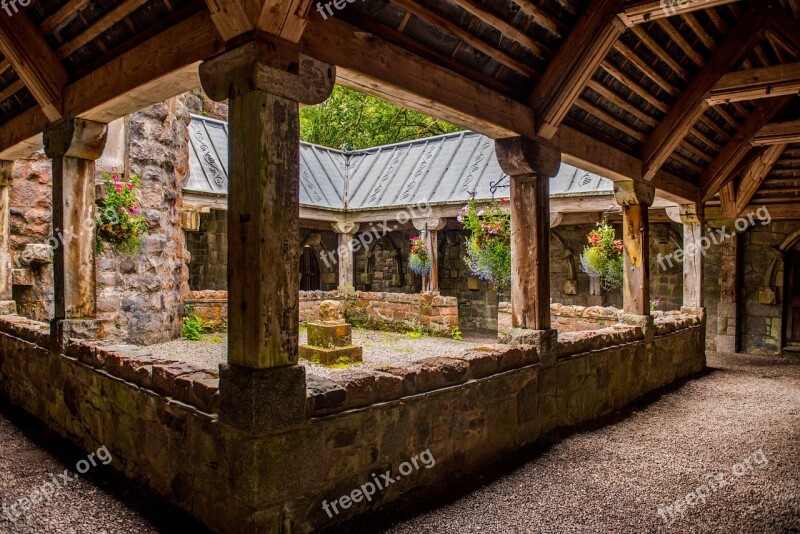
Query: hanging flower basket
{"type": "Point", "coordinates": [489, 243]}
{"type": "Point", "coordinates": [119, 223]}
{"type": "Point", "coordinates": [419, 260]}
{"type": "Point", "coordinates": [603, 257]}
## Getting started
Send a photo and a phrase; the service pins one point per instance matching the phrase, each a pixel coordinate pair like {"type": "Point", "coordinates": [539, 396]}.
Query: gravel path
{"type": "Point", "coordinates": [379, 348]}
{"type": "Point", "coordinates": [613, 478]}
{"type": "Point", "coordinates": [101, 501]}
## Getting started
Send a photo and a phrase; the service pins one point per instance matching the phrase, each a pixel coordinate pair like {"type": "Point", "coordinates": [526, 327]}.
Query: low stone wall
{"type": "Point", "coordinates": [210, 306]}
{"type": "Point", "coordinates": [158, 417]}
{"type": "Point", "coordinates": [566, 318]}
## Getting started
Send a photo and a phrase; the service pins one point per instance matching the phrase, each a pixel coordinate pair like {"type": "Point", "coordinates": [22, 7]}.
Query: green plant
{"type": "Point", "coordinates": [119, 223]}
{"type": "Point", "coordinates": [654, 304]}
{"type": "Point", "coordinates": [603, 257]}
{"type": "Point", "coordinates": [192, 328]}
{"type": "Point", "coordinates": [489, 243]}
{"type": "Point", "coordinates": [419, 259]}
{"type": "Point", "coordinates": [417, 331]}
{"type": "Point", "coordinates": [455, 333]}
{"type": "Point", "coordinates": [216, 339]}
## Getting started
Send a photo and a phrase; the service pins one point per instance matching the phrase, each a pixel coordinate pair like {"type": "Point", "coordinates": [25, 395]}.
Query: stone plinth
{"type": "Point", "coordinates": [330, 340]}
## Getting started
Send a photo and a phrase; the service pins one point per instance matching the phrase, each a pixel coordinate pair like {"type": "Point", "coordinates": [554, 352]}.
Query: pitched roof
{"type": "Point", "coordinates": [446, 169]}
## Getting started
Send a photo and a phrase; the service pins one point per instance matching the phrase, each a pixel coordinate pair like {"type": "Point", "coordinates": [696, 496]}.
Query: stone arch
{"type": "Point", "coordinates": [385, 241]}
{"type": "Point", "coordinates": [769, 293]}
{"type": "Point", "coordinates": [571, 283]}
{"type": "Point", "coordinates": [328, 270]}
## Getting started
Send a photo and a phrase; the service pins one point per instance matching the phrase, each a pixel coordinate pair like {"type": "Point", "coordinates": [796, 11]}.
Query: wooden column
{"type": "Point", "coordinates": [262, 387]}
{"type": "Point", "coordinates": [728, 328]}
{"type": "Point", "coordinates": [530, 166]}
{"type": "Point", "coordinates": [430, 229]}
{"type": "Point", "coordinates": [635, 199]}
{"type": "Point", "coordinates": [695, 245]}
{"type": "Point", "coordinates": [344, 254]}
{"type": "Point", "coordinates": [74, 145]}
{"type": "Point", "coordinates": [6, 300]}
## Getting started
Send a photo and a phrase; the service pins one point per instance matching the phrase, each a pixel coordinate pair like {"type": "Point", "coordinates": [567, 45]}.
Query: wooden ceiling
{"type": "Point", "coordinates": [698, 97]}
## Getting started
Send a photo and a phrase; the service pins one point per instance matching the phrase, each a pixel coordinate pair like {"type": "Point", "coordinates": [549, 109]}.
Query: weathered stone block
{"type": "Point", "coordinates": [327, 356]}
{"type": "Point", "coordinates": [330, 335]}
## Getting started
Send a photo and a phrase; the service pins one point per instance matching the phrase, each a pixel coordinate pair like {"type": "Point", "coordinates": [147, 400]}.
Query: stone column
{"type": "Point", "coordinates": [727, 339]}
{"type": "Point", "coordinates": [530, 166]}
{"type": "Point", "coordinates": [430, 229]}
{"type": "Point", "coordinates": [7, 304]}
{"type": "Point", "coordinates": [74, 145]}
{"type": "Point", "coordinates": [344, 254]}
{"type": "Point", "coordinates": [262, 387]}
{"type": "Point", "coordinates": [635, 199]}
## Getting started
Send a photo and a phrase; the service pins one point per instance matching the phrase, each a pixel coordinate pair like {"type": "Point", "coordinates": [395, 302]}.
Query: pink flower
{"type": "Point", "coordinates": [119, 188]}
{"type": "Point", "coordinates": [130, 186]}
{"type": "Point", "coordinates": [503, 201]}
{"type": "Point", "coordinates": [116, 178]}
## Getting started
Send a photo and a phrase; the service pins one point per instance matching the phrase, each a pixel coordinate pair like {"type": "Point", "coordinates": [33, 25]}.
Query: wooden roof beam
{"type": "Point", "coordinates": [281, 18]}
{"type": "Point", "coordinates": [767, 82]}
{"type": "Point", "coordinates": [721, 170]}
{"type": "Point", "coordinates": [691, 105]}
{"type": "Point", "coordinates": [778, 133]}
{"type": "Point", "coordinates": [639, 12]}
{"type": "Point", "coordinates": [34, 62]}
{"type": "Point", "coordinates": [574, 64]}
{"type": "Point", "coordinates": [754, 175]}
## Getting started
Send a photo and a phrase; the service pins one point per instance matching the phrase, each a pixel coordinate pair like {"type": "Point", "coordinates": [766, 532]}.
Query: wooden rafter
{"type": "Point", "coordinates": [754, 175]}
{"type": "Point", "coordinates": [100, 26]}
{"type": "Point", "coordinates": [639, 12]}
{"type": "Point", "coordinates": [727, 197]}
{"type": "Point", "coordinates": [574, 64]}
{"type": "Point", "coordinates": [34, 62]}
{"type": "Point", "coordinates": [67, 11]}
{"type": "Point", "coordinates": [778, 133]}
{"type": "Point", "coordinates": [753, 84]}
{"type": "Point", "coordinates": [691, 105]}
{"type": "Point", "coordinates": [721, 170]}
{"type": "Point", "coordinates": [9, 91]}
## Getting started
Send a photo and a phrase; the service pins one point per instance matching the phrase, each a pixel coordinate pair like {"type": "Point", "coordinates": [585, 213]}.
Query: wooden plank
{"type": "Point", "coordinates": [766, 82]}
{"type": "Point", "coordinates": [620, 102]}
{"type": "Point", "coordinates": [778, 133]}
{"type": "Point", "coordinates": [542, 18]}
{"type": "Point", "coordinates": [642, 65]}
{"type": "Point", "coordinates": [778, 212]}
{"type": "Point", "coordinates": [574, 64]}
{"type": "Point", "coordinates": [676, 36]}
{"type": "Point", "coordinates": [634, 86]}
{"type": "Point", "coordinates": [754, 175]}
{"type": "Point", "coordinates": [284, 18]}
{"type": "Point", "coordinates": [100, 26]}
{"type": "Point", "coordinates": [9, 91]}
{"type": "Point", "coordinates": [659, 51]}
{"type": "Point", "coordinates": [34, 62]}
{"type": "Point", "coordinates": [230, 17]}
{"type": "Point", "coordinates": [727, 197]}
{"type": "Point", "coordinates": [639, 12]}
{"type": "Point", "coordinates": [64, 13]}
{"type": "Point", "coordinates": [691, 104]}
{"type": "Point", "coordinates": [720, 171]}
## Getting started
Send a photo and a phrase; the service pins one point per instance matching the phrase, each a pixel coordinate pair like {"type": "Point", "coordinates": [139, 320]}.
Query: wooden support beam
{"type": "Point", "coordinates": [344, 254]}
{"type": "Point", "coordinates": [694, 250]}
{"type": "Point", "coordinates": [429, 227]}
{"type": "Point", "coordinates": [530, 166]}
{"type": "Point", "coordinates": [65, 12]}
{"type": "Point", "coordinates": [639, 12]}
{"type": "Point", "coordinates": [6, 177]}
{"type": "Point", "coordinates": [721, 169]}
{"type": "Point", "coordinates": [230, 17]}
{"type": "Point", "coordinates": [34, 62]}
{"type": "Point", "coordinates": [767, 82]}
{"type": "Point", "coordinates": [574, 64]}
{"type": "Point", "coordinates": [755, 174]}
{"type": "Point", "coordinates": [635, 199]}
{"type": "Point", "coordinates": [727, 196]}
{"type": "Point", "coordinates": [778, 133]}
{"type": "Point", "coordinates": [691, 105]}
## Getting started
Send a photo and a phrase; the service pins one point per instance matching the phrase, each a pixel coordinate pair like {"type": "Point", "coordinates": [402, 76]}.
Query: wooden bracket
{"type": "Point", "coordinates": [520, 156]}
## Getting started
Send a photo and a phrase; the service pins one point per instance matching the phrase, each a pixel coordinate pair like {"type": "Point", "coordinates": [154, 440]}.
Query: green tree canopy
{"type": "Point", "coordinates": [349, 119]}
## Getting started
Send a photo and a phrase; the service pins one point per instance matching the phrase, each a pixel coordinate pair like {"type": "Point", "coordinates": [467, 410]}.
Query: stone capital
{"type": "Point", "coordinates": [6, 172]}
{"type": "Point", "coordinates": [432, 224]}
{"type": "Point", "coordinates": [270, 65]}
{"type": "Point", "coordinates": [519, 156]}
{"type": "Point", "coordinates": [76, 138]}
{"type": "Point", "coordinates": [633, 192]}
{"type": "Point", "coordinates": [349, 228]}
{"type": "Point", "coordinates": [686, 214]}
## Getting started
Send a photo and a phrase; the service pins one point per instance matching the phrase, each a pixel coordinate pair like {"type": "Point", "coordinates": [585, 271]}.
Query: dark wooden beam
{"type": "Point", "coordinates": [754, 175]}
{"type": "Point", "coordinates": [767, 82]}
{"type": "Point", "coordinates": [639, 12]}
{"type": "Point", "coordinates": [691, 105]}
{"type": "Point", "coordinates": [778, 133]}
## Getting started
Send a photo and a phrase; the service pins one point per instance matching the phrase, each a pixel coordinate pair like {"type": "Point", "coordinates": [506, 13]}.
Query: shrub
{"type": "Point", "coordinates": [192, 328]}
{"type": "Point", "coordinates": [119, 223]}
{"type": "Point", "coordinates": [455, 333]}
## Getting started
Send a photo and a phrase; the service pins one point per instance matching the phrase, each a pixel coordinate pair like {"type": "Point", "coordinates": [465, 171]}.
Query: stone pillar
{"type": "Point", "coordinates": [530, 166]}
{"type": "Point", "coordinates": [729, 289]}
{"type": "Point", "coordinates": [344, 254]}
{"type": "Point", "coordinates": [263, 387]}
{"type": "Point", "coordinates": [7, 304]}
{"type": "Point", "coordinates": [635, 199]}
{"type": "Point", "coordinates": [74, 145]}
{"type": "Point", "coordinates": [430, 229]}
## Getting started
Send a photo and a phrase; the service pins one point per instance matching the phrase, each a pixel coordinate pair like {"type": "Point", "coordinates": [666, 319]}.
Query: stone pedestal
{"type": "Point", "coordinates": [330, 340]}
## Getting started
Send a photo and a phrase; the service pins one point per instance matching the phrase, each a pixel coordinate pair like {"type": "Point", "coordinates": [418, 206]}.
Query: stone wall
{"type": "Point", "coordinates": [566, 318]}
{"type": "Point", "coordinates": [384, 265]}
{"type": "Point", "coordinates": [209, 252]}
{"type": "Point", "coordinates": [396, 311]}
{"type": "Point", "coordinates": [157, 418]}
{"type": "Point", "coordinates": [210, 306]}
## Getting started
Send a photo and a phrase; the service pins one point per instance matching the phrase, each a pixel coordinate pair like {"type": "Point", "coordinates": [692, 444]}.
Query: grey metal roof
{"type": "Point", "coordinates": [442, 170]}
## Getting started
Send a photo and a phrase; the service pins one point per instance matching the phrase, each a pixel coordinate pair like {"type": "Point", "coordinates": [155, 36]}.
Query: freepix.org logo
{"type": "Point", "coordinates": [670, 7]}
{"type": "Point", "coordinates": [10, 6]}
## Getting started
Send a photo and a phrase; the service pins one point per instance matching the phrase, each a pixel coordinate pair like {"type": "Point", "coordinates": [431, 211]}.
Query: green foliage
{"type": "Point", "coordinates": [603, 257]}
{"type": "Point", "coordinates": [216, 339]}
{"type": "Point", "coordinates": [192, 328]}
{"type": "Point", "coordinates": [419, 259]}
{"type": "Point", "coordinates": [119, 223]}
{"type": "Point", "coordinates": [417, 331]}
{"type": "Point", "coordinates": [349, 119]}
{"type": "Point", "coordinates": [455, 333]}
{"type": "Point", "coordinates": [489, 244]}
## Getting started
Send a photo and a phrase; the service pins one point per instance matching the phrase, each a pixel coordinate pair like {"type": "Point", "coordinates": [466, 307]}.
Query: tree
{"type": "Point", "coordinates": [349, 119]}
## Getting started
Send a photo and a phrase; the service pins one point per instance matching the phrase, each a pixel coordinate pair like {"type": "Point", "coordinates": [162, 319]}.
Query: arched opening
{"type": "Point", "coordinates": [791, 310]}
{"type": "Point", "coordinates": [309, 270]}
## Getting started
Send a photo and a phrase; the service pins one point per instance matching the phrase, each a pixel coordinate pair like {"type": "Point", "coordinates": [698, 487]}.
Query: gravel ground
{"type": "Point", "coordinates": [379, 348]}
{"type": "Point", "coordinates": [613, 478]}
{"type": "Point", "coordinates": [101, 501]}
